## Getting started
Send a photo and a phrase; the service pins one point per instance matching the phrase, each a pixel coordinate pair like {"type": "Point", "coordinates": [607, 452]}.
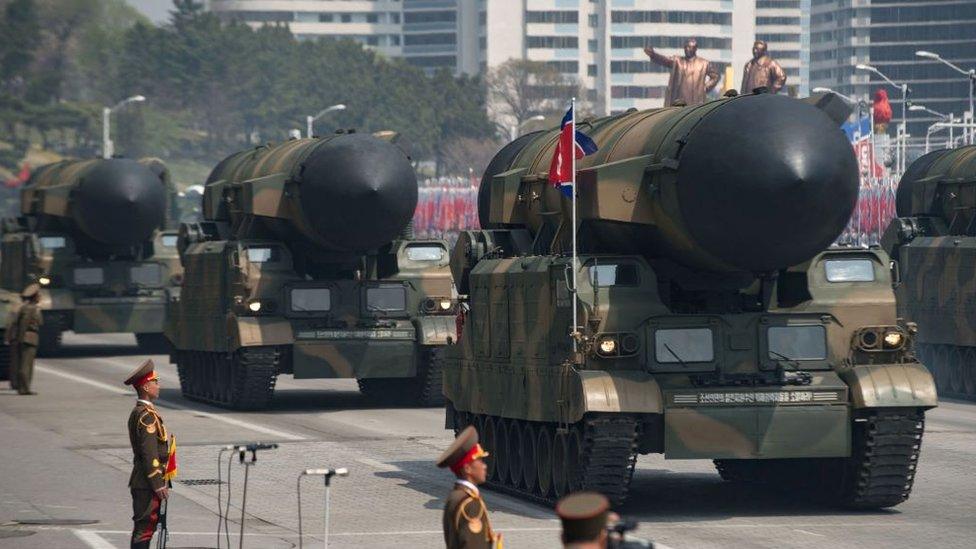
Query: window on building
{"type": "Point", "coordinates": [591, 70]}
{"type": "Point", "coordinates": [346, 17]}
{"type": "Point", "coordinates": [429, 39]}
{"type": "Point", "coordinates": [778, 21]}
{"type": "Point", "coordinates": [552, 16]}
{"type": "Point", "coordinates": [686, 17]}
{"type": "Point", "coordinates": [554, 42]}
{"type": "Point", "coordinates": [633, 42]}
{"type": "Point", "coordinates": [372, 18]}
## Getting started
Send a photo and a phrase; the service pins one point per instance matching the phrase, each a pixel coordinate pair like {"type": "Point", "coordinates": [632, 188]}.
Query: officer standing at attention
{"type": "Point", "coordinates": [150, 456]}
{"type": "Point", "coordinates": [29, 323]}
{"type": "Point", "coordinates": [466, 522]}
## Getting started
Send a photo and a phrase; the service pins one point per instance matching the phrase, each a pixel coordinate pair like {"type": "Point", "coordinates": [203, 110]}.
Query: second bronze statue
{"type": "Point", "coordinates": [762, 71]}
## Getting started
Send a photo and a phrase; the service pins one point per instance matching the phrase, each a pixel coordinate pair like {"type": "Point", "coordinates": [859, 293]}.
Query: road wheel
{"type": "Point", "coordinates": [969, 371]}
{"type": "Point", "coordinates": [943, 372]}
{"type": "Point", "coordinates": [956, 367]}
{"type": "Point", "coordinates": [502, 456]}
{"type": "Point", "coordinates": [515, 453]}
{"type": "Point", "coordinates": [574, 461]}
{"type": "Point", "coordinates": [529, 470]}
{"type": "Point", "coordinates": [487, 436]}
{"type": "Point", "coordinates": [543, 459]}
{"type": "Point", "coordinates": [560, 469]}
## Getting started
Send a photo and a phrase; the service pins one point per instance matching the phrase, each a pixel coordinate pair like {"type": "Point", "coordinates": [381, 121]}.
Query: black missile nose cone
{"type": "Point", "coordinates": [766, 182]}
{"type": "Point", "coordinates": [119, 202]}
{"type": "Point", "coordinates": [358, 192]}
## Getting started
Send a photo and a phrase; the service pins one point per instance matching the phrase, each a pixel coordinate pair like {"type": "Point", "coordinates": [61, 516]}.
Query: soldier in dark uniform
{"type": "Point", "coordinates": [29, 323]}
{"type": "Point", "coordinates": [584, 516]}
{"type": "Point", "coordinates": [466, 522]}
{"type": "Point", "coordinates": [150, 456]}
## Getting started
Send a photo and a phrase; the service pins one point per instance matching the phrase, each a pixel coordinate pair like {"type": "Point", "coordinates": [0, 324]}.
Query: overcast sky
{"type": "Point", "coordinates": [157, 10]}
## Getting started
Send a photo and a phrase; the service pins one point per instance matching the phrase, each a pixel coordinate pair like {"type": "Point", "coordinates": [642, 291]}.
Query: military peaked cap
{"type": "Point", "coordinates": [142, 374]}
{"type": "Point", "coordinates": [584, 516]}
{"type": "Point", "coordinates": [462, 451]}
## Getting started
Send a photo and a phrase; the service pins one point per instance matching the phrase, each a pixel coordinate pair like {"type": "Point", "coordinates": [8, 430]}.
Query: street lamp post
{"type": "Point", "coordinates": [310, 119]}
{"type": "Point", "coordinates": [943, 117]}
{"type": "Point", "coordinates": [971, 76]}
{"type": "Point", "coordinates": [108, 147]}
{"type": "Point", "coordinates": [514, 132]}
{"type": "Point", "coordinates": [903, 138]}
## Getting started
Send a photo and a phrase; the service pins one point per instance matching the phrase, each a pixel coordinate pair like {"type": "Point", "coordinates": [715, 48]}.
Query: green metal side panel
{"type": "Point", "coordinates": [138, 318]}
{"type": "Point", "coordinates": [353, 359]}
{"type": "Point", "coordinates": [759, 432]}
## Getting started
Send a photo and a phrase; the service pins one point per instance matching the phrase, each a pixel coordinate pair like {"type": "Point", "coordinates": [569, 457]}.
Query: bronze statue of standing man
{"type": "Point", "coordinates": [691, 76]}
{"type": "Point", "coordinates": [762, 71]}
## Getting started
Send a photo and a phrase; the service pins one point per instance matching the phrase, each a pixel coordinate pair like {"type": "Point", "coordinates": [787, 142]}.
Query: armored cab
{"type": "Point", "coordinates": [305, 265]}
{"type": "Point", "coordinates": [715, 320]}
{"type": "Point", "coordinates": [9, 304]}
{"type": "Point", "coordinates": [85, 235]}
{"type": "Point", "coordinates": [933, 241]}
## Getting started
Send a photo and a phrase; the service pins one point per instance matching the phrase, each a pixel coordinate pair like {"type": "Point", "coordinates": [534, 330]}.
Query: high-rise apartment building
{"type": "Point", "coordinates": [885, 34]}
{"type": "Point", "coordinates": [781, 24]}
{"type": "Point", "coordinates": [601, 42]}
{"type": "Point", "coordinates": [598, 42]}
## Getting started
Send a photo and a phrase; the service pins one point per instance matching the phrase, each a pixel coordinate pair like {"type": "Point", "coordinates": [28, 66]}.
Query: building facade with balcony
{"type": "Point", "coordinates": [598, 42]}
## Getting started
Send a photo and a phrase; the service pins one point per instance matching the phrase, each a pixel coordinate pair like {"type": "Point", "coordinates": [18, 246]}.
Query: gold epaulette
{"type": "Point", "coordinates": [150, 421]}
{"type": "Point", "coordinates": [480, 521]}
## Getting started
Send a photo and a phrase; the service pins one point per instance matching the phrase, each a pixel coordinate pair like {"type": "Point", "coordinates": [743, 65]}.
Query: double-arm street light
{"type": "Point", "coordinates": [947, 121]}
{"type": "Point", "coordinates": [310, 119]}
{"type": "Point", "coordinates": [970, 75]}
{"type": "Point", "coordinates": [903, 138]}
{"type": "Point", "coordinates": [108, 147]}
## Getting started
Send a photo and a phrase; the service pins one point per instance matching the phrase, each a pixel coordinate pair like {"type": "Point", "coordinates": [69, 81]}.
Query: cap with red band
{"type": "Point", "coordinates": [464, 450]}
{"type": "Point", "coordinates": [145, 373]}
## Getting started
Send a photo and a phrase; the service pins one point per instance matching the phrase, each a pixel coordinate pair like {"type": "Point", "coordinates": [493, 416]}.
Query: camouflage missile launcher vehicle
{"type": "Point", "coordinates": [715, 321]}
{"type": "Point", "coordinates": [86, 235]}
{"type": "Point", "coordinates": [933, 240]}
{"type": "Point", "coordinates": [305, 266]}
{"type": "Point", "coordinates": [9, 301]}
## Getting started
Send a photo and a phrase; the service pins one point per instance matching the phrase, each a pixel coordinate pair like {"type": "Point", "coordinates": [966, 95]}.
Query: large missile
{"type": "Point", "coordinates": [108, 203]}
{"type": "Point", "coordinates": [342, 193]}
{"type": "Point", "coordinates": [753, 183]}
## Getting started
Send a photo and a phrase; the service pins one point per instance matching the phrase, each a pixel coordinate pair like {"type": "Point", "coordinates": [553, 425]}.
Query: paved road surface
{"type": "Point", "coordinates": [64, 456]}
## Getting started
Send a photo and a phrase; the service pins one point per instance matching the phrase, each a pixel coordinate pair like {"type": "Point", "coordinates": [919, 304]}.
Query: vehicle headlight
{"type": "Point", "coordinates": [446, 304]}
{"type": "Point", "coordinates": [254, 306]}
{"type": "Point", "coordinates": [893, 339]}
{"type": "Point", "coordinates": [44, 281]}
{"type": "Point", "coordinates": [608, 346]}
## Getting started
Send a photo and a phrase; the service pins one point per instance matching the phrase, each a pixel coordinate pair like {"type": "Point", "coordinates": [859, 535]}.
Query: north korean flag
{"type": "Point", "coordinates": [561, 168]}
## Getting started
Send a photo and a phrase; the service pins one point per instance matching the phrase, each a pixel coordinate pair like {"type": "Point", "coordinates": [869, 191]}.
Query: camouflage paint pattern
{"type": "Point", "coordinates": [123, 301]}
{"type": "Point", "coordinates": [515, 359]}
{"type": "Point", "coordinates": [253, 200]}
{"type": "Point", "coordinates": [933, 240]}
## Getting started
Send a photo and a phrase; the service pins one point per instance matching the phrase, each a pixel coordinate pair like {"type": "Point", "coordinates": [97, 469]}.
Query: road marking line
{"type": "Point", "coordinates": [85, 380]}
{"type": "Point", "coordinates": [225, 419]}
{"type": "Point", "coordinates": [810, 533]}
{"type": "Point", "coordinates": [378, 465]}
{"type": "Point", "coordinates": [92, 539]}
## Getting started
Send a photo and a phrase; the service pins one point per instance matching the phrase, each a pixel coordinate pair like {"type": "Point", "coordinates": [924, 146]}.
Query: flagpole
{"type": "Point", "coordinates": [572, 109]}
